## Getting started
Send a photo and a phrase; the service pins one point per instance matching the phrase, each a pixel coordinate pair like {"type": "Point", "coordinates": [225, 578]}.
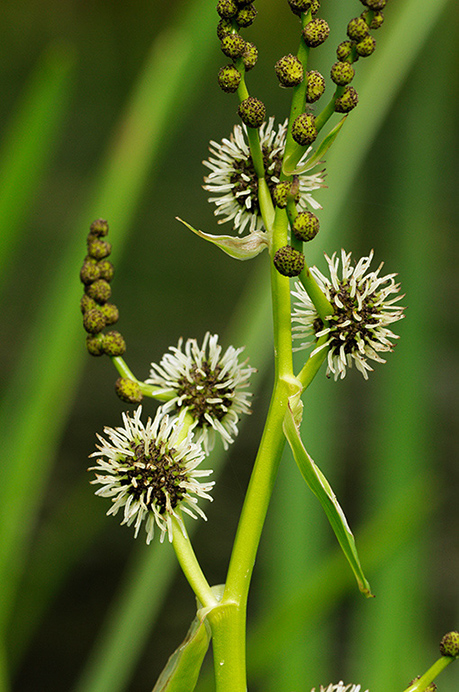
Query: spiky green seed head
{"type": "Point", "coordinates": [249, 56]}
{"type": "Point", "coordinates": [348, 100]}
{"type": "Point", "coordinates": [449, 645]}
{"type": "Point", "coordinates": [97, 248]}
{"type": "Point", "coordinates": [114, 344]}
{"type": "Point", "coordinates": [289, 70]}
{"type": "Point", "coordinates": [106, 269]}
{"type": "Point", "coordinates": [89, 272]}
{"type": "Point", "coordinates": [95, 344]}
{"type": "Point", "coordinates": [342, 73]}
{"type": "Point", "coordinates": [377, 21]}
{"type": "Point", "coordinates": [227, 8]}
{"type": "Point", "coordinates": [87, 303]}
{"type": "Point", "coordinates": [315, 87]}
{"type": "Point", "coordinates": [229, 79]}
{"type": "Point", "coordinates": [357, 29]}
{"type": "Point", "coordinates": [252, 112]}
{"type": "Point", "coordinates": [304, 129]}
{"type": "Point", "coordinates": [374, 4]}
{"type": "Point", "coordinates": [99, 227]}
{"type": "Point", "coordinates": [233, 46]}
{"type": "Point", "coordinates": [366, 46]}
{"type": "Point", "coordinates": [93, 321]}
{"type": "Point", "coordinates": [305, 226]}
{"type": "Point", "coordinates": [344, 50]}
{"type": "Point", "coordinates": [246, 16]}
{"type": "Point", "coordinates": [99, 290]}
{"type": "Point", "coordinates": [316, 32]}
{"type": "Point", "coordinates": [224, 28]}
{"type": "Point", "coordinates": [299, 6]}
{"type": "Point", "coordinates": [128, 390]}
{"type": "Point", "coordinates": [280, 194]}
{"type": "Point", "coordinates": [110, 313]}
{"type": "Point", "coordinates": [288, 261]}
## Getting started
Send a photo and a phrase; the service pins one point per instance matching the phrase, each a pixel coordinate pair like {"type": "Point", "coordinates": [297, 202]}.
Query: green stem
{"type": "Point", "coordinates": [190, 565]}
{"type": "Point", "coordinates": [146, 389]}
{"type": "Point", "coordinates": [429, 676]}
{"type": "Point", "coordinates": [228, 642]}
{"type": "Point", "coordinates": [319, 299]}
{"type": "Point", "coordinates": [313, 364]}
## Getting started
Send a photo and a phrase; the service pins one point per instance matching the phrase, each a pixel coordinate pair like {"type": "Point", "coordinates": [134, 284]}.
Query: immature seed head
{"type": "Point", "coordinates": [347, 101]}
{"type": "Point", "coordinates": [95, 344]}
{"type": "Point", "coordinates": [128, 390]}
{"type": "Point", "coordinates": [316, 32]}
{"type": "Point", "coordinates": [93, 321]}
{"type": "Point", "coordinates": [288, 261]}
{"type": "Point", "coordinates": [233, 46]}
{"type": "Point", "coordinates": [342, 73]}
{"type": "Point", "coordinates": [99, 290]}
{"type": "Point", "coordinates": [229, 78]}
{"type": "Point", "coordinates": [114, 344]}
{"type": "Point", "coordinates": [357, 29]}
{"type": "Point", "coordinates": [289, 71]}
{"type": "Point", "coordinates": [366, 46]}
{"type": "Point", "coordinates": [227, 8]}
{"type": "Point", "coordinates": [99, 227]}
{"type": "Point", "coordinates": [304, 130]}
{"type": "Point", "coordinates": [449, 645]}
{"type": "Point", "coordinates": [246, 16]}
{"type": "Point", "coordinates": [315, 87]}
{"type": "Point", "coordinates": [305, 226]}
{"type": "Point", "coordinates": [97, 248]}
{"type": "Point", "coordinates": [252, 112]}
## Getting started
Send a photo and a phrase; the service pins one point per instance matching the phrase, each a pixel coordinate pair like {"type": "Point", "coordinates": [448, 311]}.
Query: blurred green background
{"type": "Point", "coordinates": [107, 109]}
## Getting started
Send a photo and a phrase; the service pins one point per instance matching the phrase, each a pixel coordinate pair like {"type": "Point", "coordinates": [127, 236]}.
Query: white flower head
{"type": "Point", "coordinates": [234, 182]}
{"type": "Point", "coordinates": [339, 687]}
{"type": "Point", "coordinates": [364, 307]}
{"type": "Point", "coordinates": [208, 383]}
{"type": "Point", "coordinates": [148, 473]}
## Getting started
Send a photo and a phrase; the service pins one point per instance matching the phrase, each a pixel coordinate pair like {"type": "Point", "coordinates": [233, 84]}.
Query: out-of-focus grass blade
{"type": "Point", "coordinates": [36, 403]}
{"type": "Point", "coordinates": [406, 434]}
{"type": "Point", "coordinates": [183, 667]}
{"type": "Point", "coordinates": [322, 490]}
{"type": "Point", "coordinates": [29, 143]}
{"type": "Point", "coordinates": [381, 537]}
{"type": "Point", "coordinates": [378, 85]}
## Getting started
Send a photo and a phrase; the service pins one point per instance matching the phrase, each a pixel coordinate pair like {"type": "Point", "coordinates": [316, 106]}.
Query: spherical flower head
{"type": "Point", "coordinates": [289, 261]}
{"type": "Point", "coordinates": [339, 687]}
{"type": "Point", "coordinates": [316, 32]}
{"type": "Point", "coordinates": [347, 101]}
{"type": "Point", "coordinates": [289, 70]}
{"type": "Point", "coordinates": [449, 645]}
{"type": "Point", "coordinates": [304, 130]}
{"type": "Point", "coordinates": [148, 473]}
{"type": "Point", "coordinates": [366, 46]}
{"type": "Point", "coordinates": [207, 383]}
{"type": "Point", "coordinates": [232, 46]}
{"type": "Point", "coordinates": [234, 182]}
{"type": "Point", "coordinates": [364, 307]}
{"type": "Point", "coordinates": [342, 73]}
{"type": "Point", "coordinates": [229, 78]}
{"type": "Point", "coordinates": [252, 112]}
{"type": "Point", "coordinates": [357, 29]}
{"type": "Point", "coordinates": [315, 87]}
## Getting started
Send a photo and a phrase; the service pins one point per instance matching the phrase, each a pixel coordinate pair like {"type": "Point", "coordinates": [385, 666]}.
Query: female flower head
{"type": "Point", "coordinates": [234, 182]}
{"type": "Point", "coordinates": [208, 384]}
{"type": "Point", "coordinates": [150, 472]}
{"type": "Point", "coordinates": [358, 330]}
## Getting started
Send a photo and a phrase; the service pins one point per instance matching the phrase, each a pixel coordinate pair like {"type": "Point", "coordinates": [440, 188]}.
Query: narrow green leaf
{"type": "Point", "coordinates": [183, 667]}
{"type": "Point", "coordinates": [321, 488]}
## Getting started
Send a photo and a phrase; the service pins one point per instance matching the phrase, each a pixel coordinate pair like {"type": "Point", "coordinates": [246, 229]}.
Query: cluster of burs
{"type": "Point", "coordinates": [96, 275]}
{"type": "Point", "coordinates": [237, 14]}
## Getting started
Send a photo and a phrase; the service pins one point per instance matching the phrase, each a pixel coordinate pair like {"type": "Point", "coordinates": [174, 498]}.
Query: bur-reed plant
{"type": "Point", "coordinates": [126, 634]}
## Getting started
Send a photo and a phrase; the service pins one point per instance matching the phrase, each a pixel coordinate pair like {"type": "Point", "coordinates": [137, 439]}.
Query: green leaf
{"type": "Point", "coordinates": [239, 248]}
{"type": "Point", "coordinates": [321, 488]}
{"type": "Point", "coordinates": [183, 667]}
